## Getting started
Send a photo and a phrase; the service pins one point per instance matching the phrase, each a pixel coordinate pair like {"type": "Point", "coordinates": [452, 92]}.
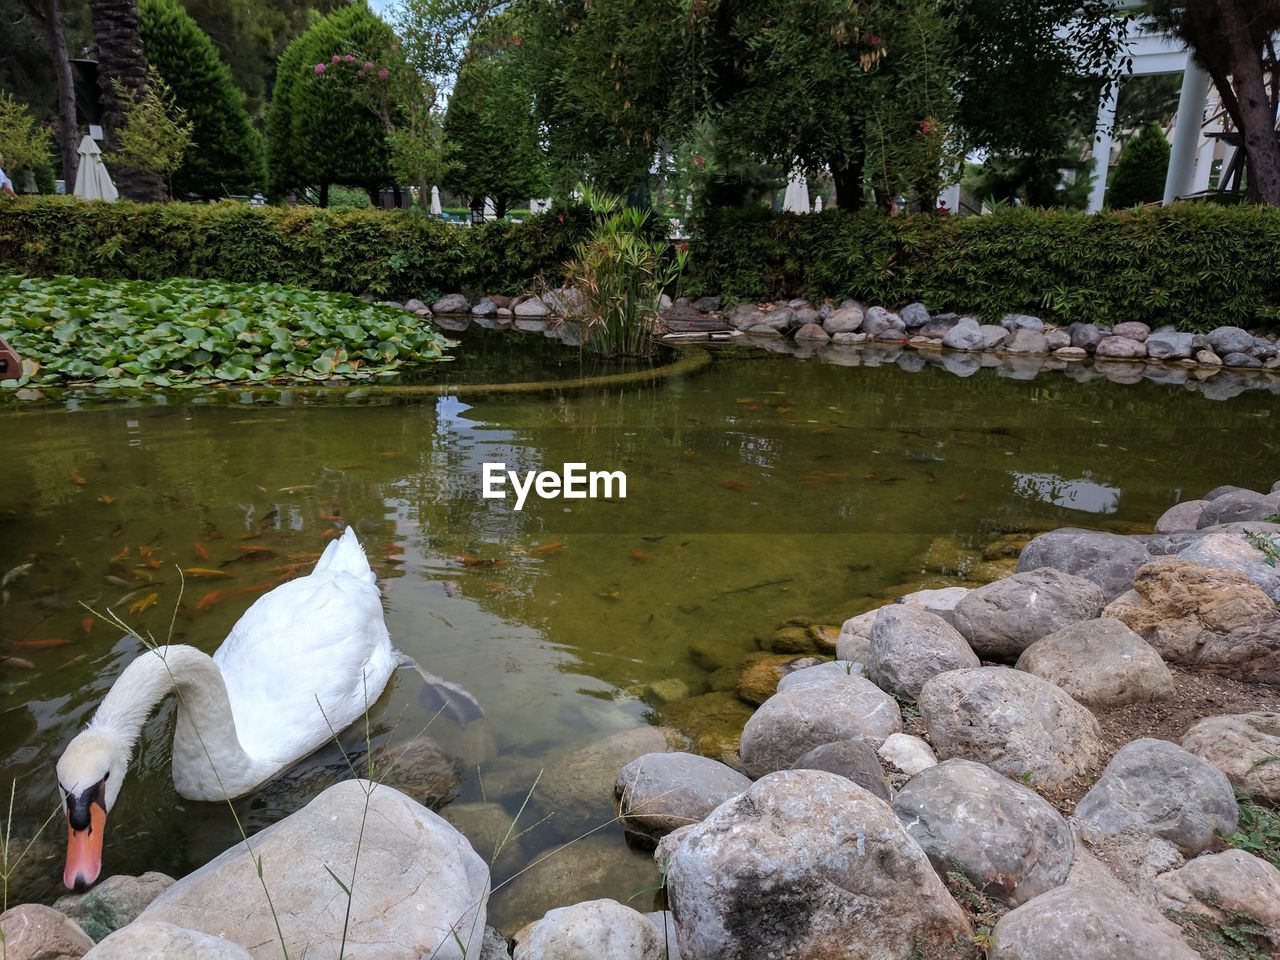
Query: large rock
{"type": "Point", "coordinates": [1009, 842]}
{"type": "Point", "coordinates": [532, 307]}
{"type": "Point", "coordinates": [793, 722]}
{"type": "Point", "coordinates": [1238, 506]}
{"type": "Point", "coordinates": [1021, 321]}
{"type": "Point", "coordinates": [1226, 340]}
{"type": "Point", "coordinates": [854, 759]}
{"type": "Point", "coordinates": [578, 784]}
{"type": "Point", "coordinates": [1243, 746]}
{"type": "Point", "coordinates": [820, 673]}
{"type": "Point", "coordinates": [594, 930]}
{"type": "Point", "coordinates": [113, 903]}
{"type": "Point", "coordinates": [1077, 922]}
{"type": "Point", "coordinates": [36, 932]}
{"type": "Point", "coordinates": [1100, 663]}
{"type": "Point", "coordinates": [1159, 788]}
{"type": "Point", "coordinates": [1121, 348]}
{"type": "Point", "coordinates": [854, 641]}
{"type": "Point", "coordinates": [1181, 516]}
{"type": "Point", "coordinates": [419, 884]}
{"type": "Point", "coordinates": [157, 940]}
{"type": "Point", "coordinates": [844, 320]}
{"type": "Point", "coordinates": [905, 755]}
{"type": "Point", "coordinates": [1086, 336]}
{"type": "Point", "coordinates": [914, 315]}
{"type": "Point", "coordinates": [876, 320]}
{"type": "Point", "coordinates": [451, 303]}
{"type": "Point", "coordinates": [806, 864]}
{"type": "Point", "coordinates": [1003, 618]}
{"type": "Point", "coordinates": [1108, 559]}
{"type": "Point", "coordinates": [1024, 340]}
{"type": "Point", "coordinates": [1167, 345]}
{"type": "Point", "coordinates": [659, 792]}
{"type": "Point", "coordinates": [1221, 886]}
{"type": "Point", "coordinates": [1211, 619]}
{"type": "Point", "coordinates": [813, 332]}
{"type": "Point", "coordinates": [992, 336]}
{"type": "Point", "coordinates": [1017, 724]}
{"type": "Point", "coordinates": [909, 646]}
{"type": "Point", "coordinates": [1227, 552]}
{"type": "Point", "coordinates": [965, 335]}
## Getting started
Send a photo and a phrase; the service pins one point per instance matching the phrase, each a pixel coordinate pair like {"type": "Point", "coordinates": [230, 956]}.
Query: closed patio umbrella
{"type": "Point", "coordinates": [490, 211]}
{"type": "Point", "coordinates": [435, 201]}
{"type": "Point", "coordinates": [796, 199]}
{"type": "Point", "coordinates": [92, 180]}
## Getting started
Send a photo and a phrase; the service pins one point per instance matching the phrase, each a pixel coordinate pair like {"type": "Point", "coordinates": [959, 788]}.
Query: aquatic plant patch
{"type": "Point", "coordinates": [183, 332]}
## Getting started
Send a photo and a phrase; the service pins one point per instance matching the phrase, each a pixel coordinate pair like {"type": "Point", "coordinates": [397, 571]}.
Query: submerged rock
{"type": "Point", "coordinates": [806, 864]}
{"type": "Point", "coordinates": [577, 784]}
{"type": "Point", "coordinates": [1017, 724]}
{"type": "Point", "coordinates": [1011, 844]}
{"type": "Point", "coordinates": [113, 903]}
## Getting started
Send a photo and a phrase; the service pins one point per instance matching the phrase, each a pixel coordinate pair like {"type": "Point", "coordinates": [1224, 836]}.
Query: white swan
{"type": "Point", "coordinates": [303, 662]}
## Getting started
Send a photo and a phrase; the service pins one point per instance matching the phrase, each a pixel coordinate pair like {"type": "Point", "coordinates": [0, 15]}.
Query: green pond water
{"type": "Point", "coordinates": [761, 487]}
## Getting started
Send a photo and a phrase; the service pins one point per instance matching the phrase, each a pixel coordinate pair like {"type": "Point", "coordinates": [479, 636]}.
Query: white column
{"type": "Point", "coordinates": [1102, 145]}
{"type": "Point", "coordinates": [1204, 160]}
{"type": "Point", "coordinates": [951, 197]}
{"type": "Point", "coordinates": [1186, 133]}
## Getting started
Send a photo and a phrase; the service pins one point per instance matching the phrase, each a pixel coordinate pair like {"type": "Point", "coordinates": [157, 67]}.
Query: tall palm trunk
{"type": "Point", "coordinates": [120, 57]}
{"type": "Point", "coordinates": [67, 139]}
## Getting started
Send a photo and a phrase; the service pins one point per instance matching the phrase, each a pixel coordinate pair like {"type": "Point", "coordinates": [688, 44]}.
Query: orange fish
{"type": "Point", "coordinates": [389, 454]}
{"type": "Point", "coordinates": [121, 556]}
{"type": "Point", "coordinates": [960, 498]}
{"type": "Point", "coordinates": [41, 644]}
{"type": "Point", "coordinates": [470, 561]}
{"type": "Point", "coordinates": [638, 554]}
{"type": "Point", "coordinates": [549, 547]}
{"type": "Point", "coordinates": [213, 533]}
{"type": "Point", "coordinates": [753, 409]}
{"type": "Point", "coordinates": [78, 480]}
{"type": "Point", "coordinates": [146, 603]}
{"type": "Point", "coordinates": [205, 572]}
{"type": "Point", "coordinates": [86, 626]}
{"type": "Point", "coordinates": [106, 499]}
{"type": "Point", "coordinates": [734, 485]}
{"type": "Point", "coordinates": [745, 400]}
{"type": "Point", "coordinates": [208, 600]}
{"type": "Point", "coordinates": [258, 587]}
{"type": "Point", "coordinates": [201, 552]}
{"type": "Point", "coordinates": [609, 593]}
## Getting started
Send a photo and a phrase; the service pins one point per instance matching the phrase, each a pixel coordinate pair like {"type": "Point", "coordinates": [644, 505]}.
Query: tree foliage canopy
{"type": "Point", "coordinates": [1140, 172]}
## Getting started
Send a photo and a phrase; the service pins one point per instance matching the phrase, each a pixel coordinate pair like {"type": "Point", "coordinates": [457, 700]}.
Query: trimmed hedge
{"type": "Point", "coordinates": [1198, 266]}
{"type": "Point", "coordinates": [390, 254]}
{"type": "Point", "coordinates": [1195, 265]}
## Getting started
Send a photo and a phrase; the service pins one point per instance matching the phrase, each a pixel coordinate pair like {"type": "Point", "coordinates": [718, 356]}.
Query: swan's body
{"type": "Point", "coordinates": [303, 663]}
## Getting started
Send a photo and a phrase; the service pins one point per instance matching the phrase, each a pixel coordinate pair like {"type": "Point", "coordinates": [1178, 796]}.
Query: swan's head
{"type": "Point", "coordinates": [90, 773]}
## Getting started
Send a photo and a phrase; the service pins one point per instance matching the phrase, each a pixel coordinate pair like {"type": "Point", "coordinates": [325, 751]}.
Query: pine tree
{"type": "Point", "coordinates": [225, 155]}
{"type": "Point", "coordinates": [1140, 172]}
{"type": "Point", "coordinates": [320, 131]}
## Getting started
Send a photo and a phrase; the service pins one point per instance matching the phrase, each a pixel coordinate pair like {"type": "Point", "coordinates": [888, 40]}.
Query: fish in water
{"type": "Point", "coordinates": [86, 625]}
{"type": "Point", "coordinates": [17, 573]}
{"type": "Point", "coordinates": [734, 485]}
{"type": "Point", "coordinates": [45, 644]}
{"type": "Point", "coordinates": [205, 572]}
{"type": "Point", "coordinates": [549, 547]}
{"type": "Point", "coordinates": [470, 561]}
{"type": "Point", "coordinates": [146, 603]}
{"type": "Point", "coordinates": [638, 554]}
{"type": "Point", "coordinates": [208, 600]}
{"type": "Point", "coordinates": [201, 552]}
{"type": "Point", "coordinates": [106, 499]}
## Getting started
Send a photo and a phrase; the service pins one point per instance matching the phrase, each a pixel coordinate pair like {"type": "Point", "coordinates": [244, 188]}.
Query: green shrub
{"type": "Point", "coordinates": [225, 155]}
{"type": "Point", "coordinates": [387, 253]}
{"type": "Point", "coordinates": [1140, 172]}
{"type": "Point", "coordinates": [1198, 266]}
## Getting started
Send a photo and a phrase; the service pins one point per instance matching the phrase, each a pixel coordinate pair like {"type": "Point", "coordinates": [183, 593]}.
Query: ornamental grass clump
{"type": "Point", "coordinates": [621, 271]}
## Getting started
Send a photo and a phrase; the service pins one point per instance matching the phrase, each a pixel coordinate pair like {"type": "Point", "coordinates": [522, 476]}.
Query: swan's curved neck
{"type": "Point", "coordinates": [209, 762]}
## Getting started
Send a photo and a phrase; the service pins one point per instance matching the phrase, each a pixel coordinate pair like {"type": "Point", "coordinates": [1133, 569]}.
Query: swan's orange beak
{"type": "Point", "coordinates": [84, 848]}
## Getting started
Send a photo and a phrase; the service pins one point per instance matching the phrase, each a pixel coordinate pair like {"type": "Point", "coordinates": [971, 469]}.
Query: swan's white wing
{"type": "Point", "coordinates": [319, 638]}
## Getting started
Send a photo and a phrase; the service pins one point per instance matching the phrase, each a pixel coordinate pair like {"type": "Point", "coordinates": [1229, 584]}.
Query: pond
{"type": "Point", "coordinates": [759, 488]}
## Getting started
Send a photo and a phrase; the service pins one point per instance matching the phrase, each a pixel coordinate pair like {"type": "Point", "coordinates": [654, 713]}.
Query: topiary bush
{"type": "Point", "coordinates": [394, 254]}
{"type": "Point", "coordinates": [225, 156]}
{"type": "Point", "coordinates": [1197, 266]}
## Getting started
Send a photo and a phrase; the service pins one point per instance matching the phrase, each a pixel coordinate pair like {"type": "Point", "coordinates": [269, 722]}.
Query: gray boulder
{"type": "Point", "coordinates": [1225, 340]}
{"type": "Point", "coordinates": [1005, 617]}
{"type": "Point", "coordinates": [877, 319]}
{"type": "Point", "coordinates": [1017, 724]}
{"type": "Point", "coordinates": [745, 315]}
{"type": "Point", "coordinates": [1020, 321]}
{"type": "Point", "coordinates": [1227, 552]}
{"type": "Point", "coordinates": [451, 303]}
{"type": "Point", "coordinates": [1238, 506]}
{"type": "Point", "coordinates": [1080, 922]}
{"type": "Point", "coordinates": [1008, 841]}
{"type": "Point", "coordinates": [965, 335]}
{"type": "Point", "coordinates": [1170, 346]}
{"type": "Point", "coordinates": [578, 782]}
{"type": "Point", "coordinates": [33, 931]}
{"type": "Point", "coordinates": [1026, 340]}
{"type": "Point", "coordinates": [1224, 886]}
{"type": "Point", "coordinates": [939, 326]}
{"type": "Point", "coordinates": [659, 792]}
{"type": "Point", "coordinates": [1132, 330]}
{"type": "Point", "coordinates": [1056, 340]}
{"type": "Point", "coordinates": [906, 755]}
{"type": "Point", "coordinates": [1242, 746]}
{"type": "Point", "coordinates": [113, 903]}
{"type": "Point", "coordinates": [992, 336]}
{"type": "Point", "coordinates": [1181, 516]}
{"type": "Point", "coordinates": [1100, 663]}
{"type": "Point", "coordinates": [791, 723]}
{"type": "Point", "coordinates": [594, 930]}
{"type": "Point", "coordinates": [157, 940]}
{"type": "Point", "coordinates": [806, 864]}
{"type": "Point", "coordinates": [779, 319]}
{"type": "Point", "coordinates": [1160, 789]}
{"type": "Point", "coordinates": [532, 307]}
{"type": "Point", "coordinates": [1121, 348]}
{"type": "Point", "coordinates": [1085, 335]}
{"type": "Point", "coordinates": [485, 308]}
{"type": "Point", "coordinates": [1241, 360]}
{"type": "Point", "coordinates": [854, 759]}
{"type": "Point", "coordinates": [820, 673]}
{"type": "Point", "coordinates": [909, 646]}
{"type": "Point", "coordinates": [914, 315]}
{"type": "Point", "coordinates": [429, 896]}
{"type": "Point", "coordinates": [844, 320]}
{"type": "Point", "coordinates": [1108, 559]}
{"type": "Point", "coordinates": [707, 304]}
{"type": "Point", "coordinates": [812, 332]}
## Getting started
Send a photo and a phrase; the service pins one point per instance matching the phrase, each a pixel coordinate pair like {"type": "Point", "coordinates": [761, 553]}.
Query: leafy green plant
{"type": "Point", "coordinates": [183, 332]}
{"type": "Point", "coordinates": [1140, 172]}
{"type": "Point", "coordinates": [1259, 829]}
{"type": "Point", "coordinates": [621, 274]}
{"type": "Point", "coordinates": [1269, 546]}
{"type": "Point", "coordinates": [156, 133]}
{"type": "Point", "coordinates": [24, 144]}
